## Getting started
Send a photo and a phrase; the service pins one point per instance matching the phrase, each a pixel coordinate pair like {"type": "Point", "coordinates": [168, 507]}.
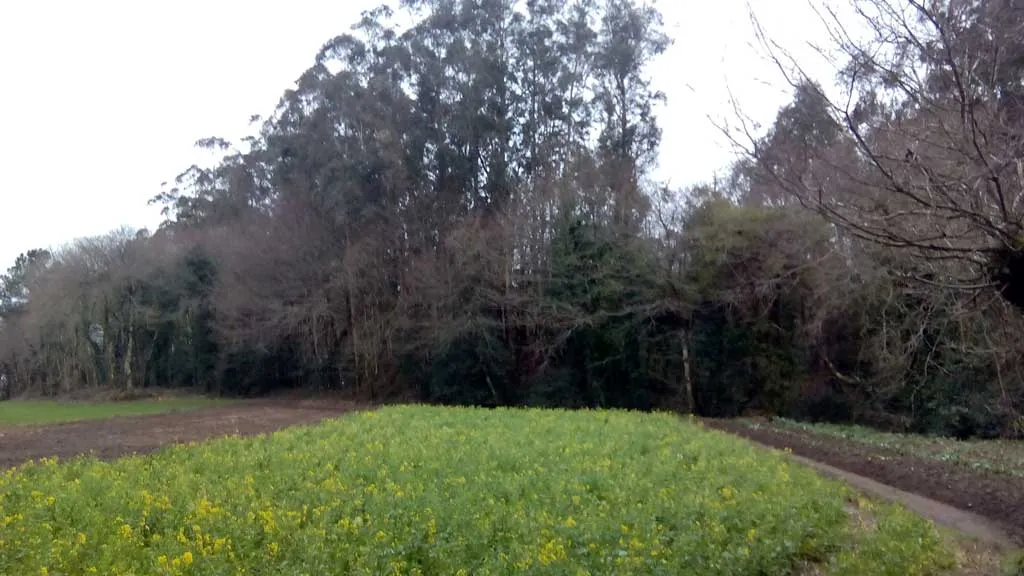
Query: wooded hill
{"type": "Point", "coordinates": [462, 211]}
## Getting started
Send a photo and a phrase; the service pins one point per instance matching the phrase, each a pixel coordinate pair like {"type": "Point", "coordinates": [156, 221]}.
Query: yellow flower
{"type": "Point", "coordinates": [267, 519]}
{"type": "Point", "coordinates": [570, 523]}
{"type": "Point", "coordinates": [186, 558]}
{"type": "Point", "coordinates": [552, 552]}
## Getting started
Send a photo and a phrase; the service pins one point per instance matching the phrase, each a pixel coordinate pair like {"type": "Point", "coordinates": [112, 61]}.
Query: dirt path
{"type": "Point", "coordinates": [114, 437]}
{"type": "Point", "coordinates": [968, 523]}
{"type": "Point", "coordinates": [983, 504]}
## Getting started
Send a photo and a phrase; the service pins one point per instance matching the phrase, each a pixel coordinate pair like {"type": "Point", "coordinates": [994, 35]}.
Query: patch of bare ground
{"type": "Point", "coordinates": [121, 436]}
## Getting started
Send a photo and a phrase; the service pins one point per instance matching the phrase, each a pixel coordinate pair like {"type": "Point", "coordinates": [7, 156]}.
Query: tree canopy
{"type": "Point", "coordinates": [461, 209]}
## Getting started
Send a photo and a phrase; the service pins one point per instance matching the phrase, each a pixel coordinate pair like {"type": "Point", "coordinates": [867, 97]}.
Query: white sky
{"type": "Point", "coordinates": [103, 100]}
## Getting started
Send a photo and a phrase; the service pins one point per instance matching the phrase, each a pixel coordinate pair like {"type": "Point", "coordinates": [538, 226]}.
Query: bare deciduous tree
{"type": "Point", "coordinates": [921, 147]}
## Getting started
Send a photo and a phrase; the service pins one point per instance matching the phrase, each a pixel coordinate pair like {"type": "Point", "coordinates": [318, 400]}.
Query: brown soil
{"type": "Point", "coordinates": [125, 435]}
{"type": "Point", "coordinates": [995, 496]}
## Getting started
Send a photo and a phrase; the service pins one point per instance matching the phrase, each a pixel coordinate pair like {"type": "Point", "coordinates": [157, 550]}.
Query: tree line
{"type": "Point", "coordinates": [461, 209]}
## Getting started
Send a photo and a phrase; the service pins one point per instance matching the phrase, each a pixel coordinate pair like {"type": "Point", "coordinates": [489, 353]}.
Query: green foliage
{"type": "Point", "coordinates": [516, 491]}
{"type": "Point", "coordinates": [456, 203]}
{"type": "Point", "coordinates": [752, 283]}
{"type": "Point", "coordinates": [470, 368]}
{"type": "Point", "coordinates": [899, 544]}
{"type": "Point", "coordinates": [179, 334]}
{"type": "Point", "coordinates": [1014, 565]}
{"type": "Point", "coordinates": [943, 376]}
{"type": "Point", "coordinates": [1002, 456]}
{"type": "Point", "coordinates": [608, 352]}
{"type": "Point", "coordinates": [140, 316]}
{"type": "Point", "coordinates": [16, 283]}
{"type": "Point", "coordinates": [22, 412]}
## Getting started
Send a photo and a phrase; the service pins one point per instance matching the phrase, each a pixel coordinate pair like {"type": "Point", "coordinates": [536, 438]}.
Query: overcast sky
{"type": "Point", "coordinates": [103, 100]}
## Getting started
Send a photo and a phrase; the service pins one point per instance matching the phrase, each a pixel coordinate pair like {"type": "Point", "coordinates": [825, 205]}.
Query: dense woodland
{"type": "Point", "coordinates": [460, 209]}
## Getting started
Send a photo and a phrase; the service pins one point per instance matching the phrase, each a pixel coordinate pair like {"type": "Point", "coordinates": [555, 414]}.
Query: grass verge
{"type": "Point", "coordinates": [25, 412]}
{"type": "Point", "coordinates": [425, 490]}
{"type": "Point", "coordinates": [1001, 456]}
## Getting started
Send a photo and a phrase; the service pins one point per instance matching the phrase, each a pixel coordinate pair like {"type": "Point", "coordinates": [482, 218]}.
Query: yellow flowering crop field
{"type": "Point", "coordinates": [430, 490]}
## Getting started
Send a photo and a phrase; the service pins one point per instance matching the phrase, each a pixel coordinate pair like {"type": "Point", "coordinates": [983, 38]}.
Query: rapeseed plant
{"type": "Point", "coordinates": [427, 490]}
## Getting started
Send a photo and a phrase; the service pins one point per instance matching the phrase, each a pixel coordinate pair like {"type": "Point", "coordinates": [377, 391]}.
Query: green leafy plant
{"type": "Point", "coordinates": [428, 490]}
{"type": "Point", "coordinates": [1002, 456]}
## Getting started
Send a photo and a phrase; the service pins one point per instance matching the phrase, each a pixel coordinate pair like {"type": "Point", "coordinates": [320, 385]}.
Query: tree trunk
{"type": "Point", "coordinates": [691, 404]}
{"type": "Point", "coordinates": [128, 350]}
{"type": "Point", "coordinates": [108, 348]}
